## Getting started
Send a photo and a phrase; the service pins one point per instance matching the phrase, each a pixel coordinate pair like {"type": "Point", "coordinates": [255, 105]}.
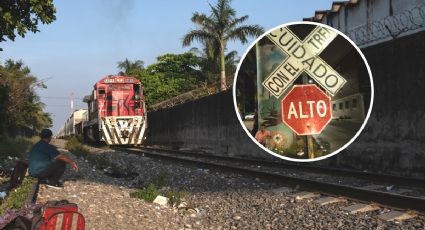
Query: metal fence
{"type": "Point", "coordinates": [200, 92]}
{"type": "Point", "coordinates": [390, 26]}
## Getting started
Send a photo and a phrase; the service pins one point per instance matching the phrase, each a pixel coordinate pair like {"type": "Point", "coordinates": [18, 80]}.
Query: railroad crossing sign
{"type": "Point", "coordinates": [303, 56]}
{"type": "Point", "coordinates": [306, 109]}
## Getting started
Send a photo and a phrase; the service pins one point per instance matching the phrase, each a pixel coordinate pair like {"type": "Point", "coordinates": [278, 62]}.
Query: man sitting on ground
{"type": "Point", "coordinates": [46, 163]}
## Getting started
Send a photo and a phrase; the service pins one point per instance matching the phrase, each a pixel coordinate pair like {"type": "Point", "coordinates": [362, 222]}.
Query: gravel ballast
{"type": "Point", "coordinates": [215, 200]}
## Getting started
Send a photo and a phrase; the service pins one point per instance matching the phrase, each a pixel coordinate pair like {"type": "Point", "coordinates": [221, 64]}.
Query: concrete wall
{"type": "Point", "coordinates": [392, 142]}
{"type": "Point", "coordinates": [394, 138]}
{"type": "Point", "coordinates": [370, 22]}
{"type": "Point", "coordinates": [208, 124]}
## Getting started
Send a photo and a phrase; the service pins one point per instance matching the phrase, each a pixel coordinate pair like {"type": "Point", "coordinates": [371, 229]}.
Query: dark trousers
{"type": "Point", "coordinates": [53, 172]}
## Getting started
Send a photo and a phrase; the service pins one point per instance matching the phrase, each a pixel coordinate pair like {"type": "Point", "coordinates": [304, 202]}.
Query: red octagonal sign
{"type": "Point", "coordinates": [306, 109]}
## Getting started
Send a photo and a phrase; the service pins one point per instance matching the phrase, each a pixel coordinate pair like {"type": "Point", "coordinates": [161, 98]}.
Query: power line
{"type": "Point", "coordinates": [62, 98]}
{"type": "Point", "coordinates": [57, 105]}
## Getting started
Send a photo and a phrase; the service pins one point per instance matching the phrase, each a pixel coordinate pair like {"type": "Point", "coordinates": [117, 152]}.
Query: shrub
{"type": "Point", "coordinates": [151, 192]}
{"type": "Point", "coordinates": [148, 194]}
{"type": "Point", "coordinates": [15, 147]}
{"type": "Point", "coordinates": [176, 197]}
{"type": "Point", "coordinates": [75, 147]}
{"type": "Point", "coordinates": [17, 196]}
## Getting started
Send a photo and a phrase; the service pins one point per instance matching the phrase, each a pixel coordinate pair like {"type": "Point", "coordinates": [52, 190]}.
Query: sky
{"type": "Point", "coordinates": [89, 37]}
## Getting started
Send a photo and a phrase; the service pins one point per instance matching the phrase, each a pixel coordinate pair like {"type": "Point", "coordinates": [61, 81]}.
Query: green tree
{"type": "Point", "coordinates": [183, 68]}
{"type": "Point", "coordinates": [130, 68]}
{"type": "Point", "coordinates": [159, 88]}
{"type": "Point", "coordinates": [171, 75]}
{"type": "Point", "coordinates": [221, 26]}
{"type": "Point", "coordinates": [20, 105]}
{"type": "Point", "coordinates": [20, 16]}
{"type": "Point", "coordinates": [210, 61]}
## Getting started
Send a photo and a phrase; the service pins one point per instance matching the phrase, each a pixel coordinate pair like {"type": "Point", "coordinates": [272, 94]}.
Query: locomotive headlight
{"type": "Point", "coordinates": [113, 120]}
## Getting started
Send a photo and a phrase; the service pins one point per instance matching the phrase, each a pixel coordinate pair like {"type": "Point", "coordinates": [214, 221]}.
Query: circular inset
{"type": "Point", "coordinates": [303, 91]}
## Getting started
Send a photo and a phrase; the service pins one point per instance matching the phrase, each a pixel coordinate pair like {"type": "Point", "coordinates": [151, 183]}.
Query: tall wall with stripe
{"type": "Point", "coordinates": [392, 142]}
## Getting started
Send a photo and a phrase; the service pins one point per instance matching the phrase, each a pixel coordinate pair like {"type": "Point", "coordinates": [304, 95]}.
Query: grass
{"type": "Point", "coordinates": [16, 147]}
{"type": "Point", "coordinates": [75, 147]}
{"type": "Point", "coordinates": [176, 197]}
{"type": "Point", "coordinates": [17, 197]}
{"type": "Point", "coordinates": [149, 193]}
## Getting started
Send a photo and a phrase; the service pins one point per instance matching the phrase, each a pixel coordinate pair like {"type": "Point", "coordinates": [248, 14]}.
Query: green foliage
{"type": "Point", "coordinates": [75, 147]}
{"type": "Point", "coordinates": [15, 147]}
{"type": "Point", "coordinates": [18, 196]}
{"type": "Point", "coordinates": [171, 75]}
{"type": "Point", "coordinates": [177, 66]}
{"type": "Point", "coordinates": [149, 193]}
{"type": "Point", "coordinates": [18, 17]}
{"type": "Point", "coordinates": [209, 57]}
{"type": "Point", "coordinates": [216, 29]}
{"type": "Point", "coordinates": [130, 68]}
{"type": "Point", "coordinates": [175, 197]}
{"type": "Point", "coordinates": [20, 104]}
{"type": "Point", "coordinates": [78, 149]}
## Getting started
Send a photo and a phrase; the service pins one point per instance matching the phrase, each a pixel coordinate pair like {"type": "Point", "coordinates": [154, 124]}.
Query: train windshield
{"type": "Point", "coordinates": [119, 87]}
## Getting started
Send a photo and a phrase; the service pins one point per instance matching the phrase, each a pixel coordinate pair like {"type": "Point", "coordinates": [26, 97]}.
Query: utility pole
{"type": "Point", "coordinates": [309, 138]}
{"type": "Point", "coordinates": [71, 98]}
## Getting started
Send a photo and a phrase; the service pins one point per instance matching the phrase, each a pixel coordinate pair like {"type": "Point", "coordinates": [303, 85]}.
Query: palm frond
{"type": "Point", "coordinates": [231, 55]}
{"type": "Point", "coordinates": [203, 21]}
{"type": "Point", "coordinates": [198, 35]}
{"type": "Point", "coordinates": [237, 21]}
{"type": "Point", "coordinates": [241, 33]}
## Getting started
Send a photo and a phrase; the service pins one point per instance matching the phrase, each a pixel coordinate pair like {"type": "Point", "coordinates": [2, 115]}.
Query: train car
{"type": "Point", "coordinates": [75, 118]}
{"type": "Point", "coordinates": [116, 112]}
{"type": "Point", "coordinates": [71, 126]}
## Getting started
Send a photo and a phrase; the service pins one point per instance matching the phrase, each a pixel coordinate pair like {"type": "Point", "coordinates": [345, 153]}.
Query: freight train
{"type": "Point", "coordinates": [116, 113]}
{"type": "Point", "coordinates": [73, 125]}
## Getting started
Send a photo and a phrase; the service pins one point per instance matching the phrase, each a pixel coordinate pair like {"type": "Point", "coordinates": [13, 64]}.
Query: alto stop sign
{"type": "Point", "coordinates": [306, 109]}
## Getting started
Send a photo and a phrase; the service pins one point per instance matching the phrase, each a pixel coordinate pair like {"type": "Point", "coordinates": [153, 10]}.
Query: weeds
{"type": "Point", "coordinates": [149, 193]}
{"type": "Point", "coordinates": [175, 197]}
{"type": "Point", "coordinates": [18, 196]}
{"type": "Point", "coordinates": [15, 147]}
{"type": "Point", "coordinates": [75, 147]}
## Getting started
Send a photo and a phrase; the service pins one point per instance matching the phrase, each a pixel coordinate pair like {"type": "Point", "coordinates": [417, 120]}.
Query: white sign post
{"type": "Point", "coordinates": [303, 56]}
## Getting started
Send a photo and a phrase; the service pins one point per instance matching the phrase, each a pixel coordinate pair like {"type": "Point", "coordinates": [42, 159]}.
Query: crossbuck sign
{"type": "Point", "coordinates": [303, 56]}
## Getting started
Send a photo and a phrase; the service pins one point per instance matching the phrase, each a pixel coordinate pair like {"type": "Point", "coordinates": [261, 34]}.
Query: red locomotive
{"type": "Point", "coordinates": [116, 112]}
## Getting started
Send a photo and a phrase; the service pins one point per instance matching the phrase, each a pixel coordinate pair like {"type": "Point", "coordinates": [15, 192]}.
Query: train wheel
{"type": "Point", "coordinates": [85, 135]}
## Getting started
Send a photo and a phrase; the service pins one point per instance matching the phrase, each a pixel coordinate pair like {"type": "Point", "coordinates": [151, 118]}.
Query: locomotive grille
{"type": "Point", "coordinates": [124, 130]}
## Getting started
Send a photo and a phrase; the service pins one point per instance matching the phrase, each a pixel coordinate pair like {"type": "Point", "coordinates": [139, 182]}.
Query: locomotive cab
{"type": "Point", "coordinates": [118, 111]}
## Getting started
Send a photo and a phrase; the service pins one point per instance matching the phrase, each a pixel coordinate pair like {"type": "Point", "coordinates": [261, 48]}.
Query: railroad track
{"type": "Point", "coordinates": [355, 185]}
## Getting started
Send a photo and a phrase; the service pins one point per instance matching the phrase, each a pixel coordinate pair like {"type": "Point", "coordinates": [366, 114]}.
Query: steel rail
{"type": "Point", "coordinates": [383, 198]}
{"type": "Point", "coordinates": [308, 167]}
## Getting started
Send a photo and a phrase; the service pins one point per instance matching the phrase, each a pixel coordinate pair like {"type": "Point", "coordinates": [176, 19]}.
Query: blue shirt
{"type": "Point", "coordinates": [41, 155]}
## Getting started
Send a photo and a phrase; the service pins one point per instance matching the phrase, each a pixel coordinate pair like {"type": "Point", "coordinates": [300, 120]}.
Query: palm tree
{"type": "Point", "coordinates": [210, 61]}
{"type": "Point", "coordinates": [222, 25]}
{"type": "Point", "coordinates": [130, 67]}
